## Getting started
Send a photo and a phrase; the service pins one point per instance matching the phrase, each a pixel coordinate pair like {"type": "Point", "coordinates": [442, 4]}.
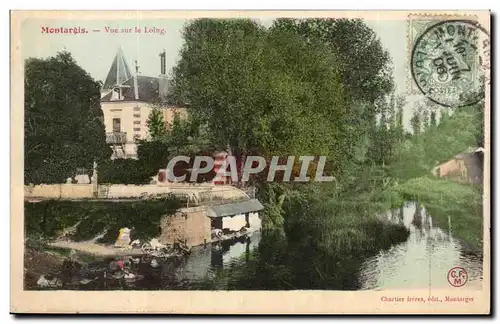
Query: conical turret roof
{"type": "Point", "coordinates": [119, 71]}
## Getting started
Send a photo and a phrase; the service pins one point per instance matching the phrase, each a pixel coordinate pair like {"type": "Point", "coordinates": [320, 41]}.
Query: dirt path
{"type": "Point", "coordinates": [96, 249]}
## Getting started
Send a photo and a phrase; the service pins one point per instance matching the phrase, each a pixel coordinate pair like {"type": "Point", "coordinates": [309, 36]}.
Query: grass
{"type": "Point", "coordinates": [443, 198]}
{"type": "Point", "coordinates": [466, 226]}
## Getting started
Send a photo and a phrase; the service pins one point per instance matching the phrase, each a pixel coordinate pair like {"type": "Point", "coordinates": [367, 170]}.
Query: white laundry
{"type": "Point", "coordinates": [155, 244]}
{"type": "Point", "coordinates": [82, 178]}
{"type": "Point", "coordinates": [255, 221]}
{"type": "Point", "coordinates": [234, 223]}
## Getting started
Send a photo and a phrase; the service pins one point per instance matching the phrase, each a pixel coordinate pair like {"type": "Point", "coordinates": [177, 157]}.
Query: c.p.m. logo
{"type": "Point", "coordinates": [457, 276]}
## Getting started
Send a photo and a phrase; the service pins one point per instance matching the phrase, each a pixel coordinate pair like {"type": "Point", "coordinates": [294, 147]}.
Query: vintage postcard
{"type": "Point", "coordinates": [247, 162]}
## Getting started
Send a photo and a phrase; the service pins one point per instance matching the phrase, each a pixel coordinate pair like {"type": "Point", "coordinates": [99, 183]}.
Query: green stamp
{"type": "Point", "coordinates": [450, 62]}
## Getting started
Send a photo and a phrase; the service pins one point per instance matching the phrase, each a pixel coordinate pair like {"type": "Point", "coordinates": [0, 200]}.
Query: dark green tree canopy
{"type": "Point", "coordinates": [156, 124]}
{"type": "Point", "coordinates": [262, 90]}
{"type": "Point", "coordinates": [63, 120]}
{"type": "Point", "coordinates": [364, 65]}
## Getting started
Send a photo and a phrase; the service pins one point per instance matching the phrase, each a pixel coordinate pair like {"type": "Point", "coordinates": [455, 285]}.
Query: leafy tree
{"type": "Point", "coordinates": [124, 171]}
{"type": "Point", "coordinates": [364, 65]}
{"type": "Point", "coordinates": [156, 124]}
{"type": "Point", "coordinates": [268, 92]}
{"type": "Point", "coordinates": [425, 121]}
{"type": "Point", "coordinates": [365, 69]}
{"type": "Point", "coordinates": [433, 119]}
{"type": "Point", "coordinates": [183, 137]}
{"type": "Point", "coordinates": [400, 103]}
{"type": "Point", "coordinates": [416, 122]}
{"type": "Point", "coordinates": [389, 132]}
{"type": "Point", "coordinates": [422, 152]}
{"type": "Point", "coordinates": [63, 120]}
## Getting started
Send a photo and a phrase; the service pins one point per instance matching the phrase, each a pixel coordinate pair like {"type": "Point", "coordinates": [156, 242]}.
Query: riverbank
{"type": "Point", "coordinates": [39, 263]}
{"type": "Point", "coordinates": [51, 219]}
{"type": "Point", "coordinates": [90, 247]}
{"type": "Point", "coordinates": [42, 259]}
{"type": "Point", "coordinates": [451, 204]}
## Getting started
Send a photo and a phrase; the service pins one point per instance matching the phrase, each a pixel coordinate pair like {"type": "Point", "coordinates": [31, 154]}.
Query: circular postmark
{"type": "Point", "coordinates": [457, 276]}
{"type": "Point", "coordinates": [450, 62]}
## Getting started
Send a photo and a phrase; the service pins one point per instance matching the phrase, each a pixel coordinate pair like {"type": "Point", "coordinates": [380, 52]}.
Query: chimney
{"type": "Point", "coordinates": [163, 63]}
{"type": "Point", "coordinates": [163, 81]}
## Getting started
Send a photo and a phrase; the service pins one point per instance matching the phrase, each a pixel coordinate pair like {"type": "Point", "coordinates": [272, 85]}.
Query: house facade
{"type": "Point", "coordinates": [127, 100]}
{"type": "Point", "coordinates": [466, 167]}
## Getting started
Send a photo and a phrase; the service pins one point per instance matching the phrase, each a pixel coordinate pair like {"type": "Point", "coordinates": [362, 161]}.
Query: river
{"type": "Point", "coordinates": [423, 260]}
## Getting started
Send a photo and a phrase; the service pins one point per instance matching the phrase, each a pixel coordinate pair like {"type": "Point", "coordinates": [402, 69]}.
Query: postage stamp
{"type": "Point", "coordinates": [250, 162]}
{"type": "Point", "coordinates": [450, 59]}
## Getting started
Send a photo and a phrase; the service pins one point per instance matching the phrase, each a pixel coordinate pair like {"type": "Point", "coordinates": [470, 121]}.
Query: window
{"type": "Point", "coordinates": [136, 137]}
{"type": "Point", "coordinates": [137, 108]}
{"type": "Point", "coordinates": [137, 122]}
{"type": "Point", "coordinates": [137, 129]}
{"type": "Point", "coordinates": [117, 125]}
{"type": "Point", "coordinates": [137, 115]}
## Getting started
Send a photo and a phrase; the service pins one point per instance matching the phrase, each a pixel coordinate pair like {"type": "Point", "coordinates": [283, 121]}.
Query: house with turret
{"type": "Point", "coordinates": [127, 99]}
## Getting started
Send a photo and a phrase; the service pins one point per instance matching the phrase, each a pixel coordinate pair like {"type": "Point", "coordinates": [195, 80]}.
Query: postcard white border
{"type": "Point", "coordinates": [216, 302]}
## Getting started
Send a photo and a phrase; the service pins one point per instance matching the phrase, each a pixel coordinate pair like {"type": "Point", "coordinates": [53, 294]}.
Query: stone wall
{"type": "Point", "coordinates": [59, 191]}
{"type": "Point", "coordinates": [188, 224]}
{"type": "Point", "coordinates": [84, 191]}
{"type": "Point", "coordinates": [131, 191]}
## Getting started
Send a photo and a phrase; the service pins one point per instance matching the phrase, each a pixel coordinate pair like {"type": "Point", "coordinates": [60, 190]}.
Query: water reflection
{"type": "Point", "coordinates": [205, 259]}
{"type": "Point", "coordinates": [423, 260]}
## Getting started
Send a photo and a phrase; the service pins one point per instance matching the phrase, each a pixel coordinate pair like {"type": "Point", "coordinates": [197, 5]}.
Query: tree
{"type": "Point", "coordinates": [364, 65]}
{"type": "Point", "coordinates": [416, 122]}
{"type": "Point", "coordinates": [63, 120]}
{"type": "Point", "coordinates": [268, 92]}
{"type": "Point", "coordinates": [400, 103]}
{"type": "Point", "coordinates": [433, 119]}
{"type": "Point", "coordinates": [156, 124]}
{"type": "Point", "coordinates": [424, 117]}
{"type": "Point", "coordinates": [365, 70]}
{"type": "Point", "coordinates": [183, 137]}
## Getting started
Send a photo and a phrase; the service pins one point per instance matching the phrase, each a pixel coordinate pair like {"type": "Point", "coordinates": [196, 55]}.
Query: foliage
{"type": "Point", "coordinates": [188, 137]}
{"type": "Point", "coordinates": [416, 156]}
{"type": "Point", "coordinates": [433, 143]}
{"type": "Point", "coordinates": [448, 194]}
{"type": "Point", "coordinates": [183, 137]}
{"type": "Point", "coordinates": [269, 92]}
{"type": "Point", "coordinates": [389, 132]}
{"type": "Point", "coordinates": [49, 218]}
{"type": "Point", "coordinates": [63, 120]}
{"type": "Point", "coordinates": [445, 198]}
{"type": "Point", "coordinates": [364, 65]}
{"type": "Point", "coordinates": [156, 124]}
{"type": "Point", "coordinates": [274, 196]}
{"type": "Point", "coordinates": [125, 171]}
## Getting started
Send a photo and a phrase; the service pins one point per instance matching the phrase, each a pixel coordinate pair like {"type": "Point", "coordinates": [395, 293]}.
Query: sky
{"type": "Point", "coordinates": [94, 51]}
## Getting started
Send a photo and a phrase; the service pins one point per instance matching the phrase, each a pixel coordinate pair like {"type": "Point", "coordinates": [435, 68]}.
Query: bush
{"type": "Point", "coordinates": [49, 218]}
{"type": "Point", "coordinates": [125, 171]}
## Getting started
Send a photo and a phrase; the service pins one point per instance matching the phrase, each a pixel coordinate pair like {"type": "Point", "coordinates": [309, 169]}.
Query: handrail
{"type": "Point", "coordinates": [116, 137]}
